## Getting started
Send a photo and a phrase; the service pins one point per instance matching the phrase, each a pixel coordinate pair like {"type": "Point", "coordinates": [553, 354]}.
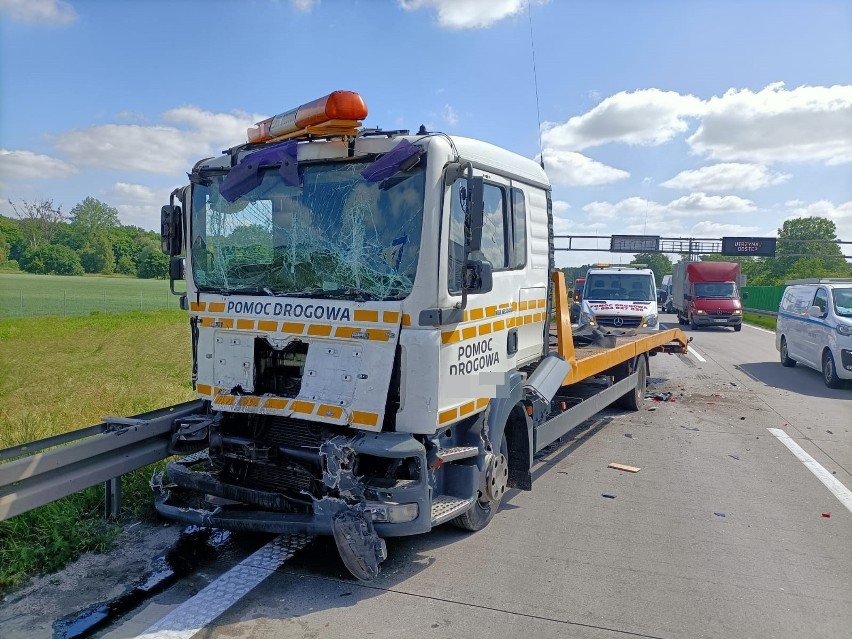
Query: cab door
{"type": "Point", "coordinates": [501, 326]}
{"type": "Point", "coordinates": [816, 329]}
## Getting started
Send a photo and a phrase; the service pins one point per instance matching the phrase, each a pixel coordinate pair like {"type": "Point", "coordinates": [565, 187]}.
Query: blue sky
{"type": "Point", "coordinates": [681, 119]}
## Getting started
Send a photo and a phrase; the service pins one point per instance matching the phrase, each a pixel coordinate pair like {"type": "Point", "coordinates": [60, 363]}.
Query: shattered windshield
{"type": "Point", "coordinates": [333, 235]}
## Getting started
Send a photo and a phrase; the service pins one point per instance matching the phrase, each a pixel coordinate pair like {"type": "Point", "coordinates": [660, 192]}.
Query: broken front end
{"type": "Point", "coordinates": [284, 475]}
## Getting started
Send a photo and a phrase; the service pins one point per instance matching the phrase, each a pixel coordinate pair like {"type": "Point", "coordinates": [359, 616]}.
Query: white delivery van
{"type": "Point", "coordinates": [815, 327]}
{"type": "Point", "coordinates": [620, 297]}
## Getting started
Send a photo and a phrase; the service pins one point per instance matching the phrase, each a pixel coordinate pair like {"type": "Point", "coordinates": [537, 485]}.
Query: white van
{"type": "Point", "coordinates": [620, 297]}
{"type": "Point", "coordinates": [815, 327]}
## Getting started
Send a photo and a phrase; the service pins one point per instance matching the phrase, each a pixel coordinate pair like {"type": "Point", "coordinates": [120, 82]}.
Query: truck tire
{"type": "Point", "coordinates": [692, 323]}
{"type": "Point", "coordinates": [829, 371]}
{"type": "Point", "coordinates": [485, 507]}
{"type": "Point", "coordinates": [632, 400]}
{"type": "Point", "coordinates": [785, 357]}
{"type": "Point", "coordinates": [738, 328]}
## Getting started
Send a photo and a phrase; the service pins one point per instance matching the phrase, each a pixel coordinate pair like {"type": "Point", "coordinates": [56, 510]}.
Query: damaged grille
{"type": "Point", "coordinates": [276, 454]}
{"type": "Point", "coordinates": [285, 479]}
{"type": "Point", "coordinates": [286, 431]}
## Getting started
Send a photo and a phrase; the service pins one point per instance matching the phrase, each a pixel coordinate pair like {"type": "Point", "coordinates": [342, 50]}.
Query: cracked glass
{"type": "Point", "coordinates": [333, 236]}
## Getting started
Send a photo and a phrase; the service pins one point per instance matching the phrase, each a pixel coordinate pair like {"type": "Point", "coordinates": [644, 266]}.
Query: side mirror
{"type": "Point", "coordinates": [815, 311]}
{"type": "Point", "coordinates": [171, 230]}
{"type": "Point", "coordinates": [478, 277]}
{"type": "Point", "coordinates": [176, 268]}
{"type": "Point", "coordinates": [745, 295]}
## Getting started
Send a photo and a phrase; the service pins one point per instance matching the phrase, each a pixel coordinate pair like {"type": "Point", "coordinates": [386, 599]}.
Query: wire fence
{"type": "Point", "coordinates": [74, 299]}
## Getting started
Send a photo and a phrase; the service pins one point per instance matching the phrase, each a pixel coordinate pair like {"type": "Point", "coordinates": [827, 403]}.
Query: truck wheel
{"type": "Point", "coordinates": [785, 358]}
{"type": "Point", "coordinates": [633, 399]}
{"type": "Point", "coordinates": [829, 372]}
{"type": "Point", "coordinates": [692, 323]}
{"type": "Point", "coordinates": [492, 486]}
{"type": "Point", "coordinates": [738, 328]}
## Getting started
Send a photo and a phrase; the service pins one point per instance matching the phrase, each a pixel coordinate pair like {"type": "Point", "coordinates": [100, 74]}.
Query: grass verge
{"type": "Point", "coordinates": [764, 321]}
{"type": "Point", "coordinates": [58, 375]}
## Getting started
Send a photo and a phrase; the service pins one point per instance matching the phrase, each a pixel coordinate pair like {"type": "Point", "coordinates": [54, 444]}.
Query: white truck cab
{"type": "Point", "coordinates": [620, 297]}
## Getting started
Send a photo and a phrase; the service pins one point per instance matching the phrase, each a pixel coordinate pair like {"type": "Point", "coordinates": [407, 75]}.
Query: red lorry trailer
{"type": "Point", "coordinates": [707, 294]}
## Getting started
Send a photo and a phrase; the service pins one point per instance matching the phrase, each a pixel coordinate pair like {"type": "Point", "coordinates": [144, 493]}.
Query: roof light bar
{"type": "Point", "coordinates": [337, 113]}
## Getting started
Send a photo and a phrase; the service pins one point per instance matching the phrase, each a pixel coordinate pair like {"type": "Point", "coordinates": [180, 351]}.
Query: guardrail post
{"type": "Point", "coordinates": [112, 498]}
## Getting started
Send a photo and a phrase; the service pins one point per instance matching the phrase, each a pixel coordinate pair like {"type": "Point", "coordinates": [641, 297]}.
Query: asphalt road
{"type": "Point", "coordinates": [723, 532]}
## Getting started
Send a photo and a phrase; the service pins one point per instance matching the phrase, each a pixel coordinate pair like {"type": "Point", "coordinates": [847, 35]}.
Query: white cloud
{"type": "Point", "coordinates": [575, 169]}
{"type": "Point", "coordinates": [468, 14]}
{"type": "Point", "coordinates": [645, 117]}
{"type": "Point", "coordinates": [39, 11]}
{"type": "Point", "coordinates": [840, 214]}
{"type": "Point", "coordinates": [304, 6]}
{"type": "Point", "coordinates": [714, 229]}
{"type": "Point", "coordinates": [729, 176]}
{"type": "Point", "coordinates": [138, 204]}
{"type": "Point", "coordinates": [450, 116]}
{"type": "Point", "coordinates": [568, 226]}
{"type": "Point", "coordinates": [627, 210]}
{"type": "Point", "coordinates": [701, 204]}
{"type": "Point", "coordinates": [560, 207]}
{"type": "Point", "coordinates": [26, 165]}
{"type": "Point", "coordinates": [158, 148]}
{"type": "Point", "coordinates": [806, 124]}
{"type": "Point", "coordinates": [642, 216]}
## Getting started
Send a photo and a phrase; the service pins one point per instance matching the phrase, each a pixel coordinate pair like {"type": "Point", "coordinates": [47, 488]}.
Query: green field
{"type": "Point", "coordinates": [27, 295]}
{"type": "Point", "coordinates": [61, 374]}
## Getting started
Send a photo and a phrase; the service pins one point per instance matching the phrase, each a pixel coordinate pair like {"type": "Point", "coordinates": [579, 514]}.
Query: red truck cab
{"type": "Point", "coordinates": [707, 294]}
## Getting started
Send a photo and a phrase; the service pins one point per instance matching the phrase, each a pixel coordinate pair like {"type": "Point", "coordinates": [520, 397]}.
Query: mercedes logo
{"type": "Point", "coordinates": [618, 321]}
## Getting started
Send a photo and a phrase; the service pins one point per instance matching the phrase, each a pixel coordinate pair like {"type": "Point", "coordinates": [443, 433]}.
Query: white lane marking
{"type": "Point", "coordinates": [758, 328]}
{"type": "Point", "coordinates": [831, 482]}
{"type": "Point", "coordinates": [696, 354]}
{"type": "Point", "coordinates": [196, 613]}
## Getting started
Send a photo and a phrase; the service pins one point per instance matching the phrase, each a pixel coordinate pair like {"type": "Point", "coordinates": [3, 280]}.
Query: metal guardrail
{"type": "Point", "coordinates": [102, 453]}
{"type": "Point", "coordinates": [757, 311]}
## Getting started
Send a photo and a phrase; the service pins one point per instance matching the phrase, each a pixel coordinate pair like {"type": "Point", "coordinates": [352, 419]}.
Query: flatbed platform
{"type": "Point", "coordinates": [590, 360]}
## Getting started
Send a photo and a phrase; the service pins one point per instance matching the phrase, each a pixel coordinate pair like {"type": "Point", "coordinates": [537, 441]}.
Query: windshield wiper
{"type": "Point", "coordinates": [248, 290]}
{"type": "Point", "coordinates": [355, 294]}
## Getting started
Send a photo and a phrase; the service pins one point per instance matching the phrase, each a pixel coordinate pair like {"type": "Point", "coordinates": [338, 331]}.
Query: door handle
{"type": "Point", "coordinates": [512, 341]}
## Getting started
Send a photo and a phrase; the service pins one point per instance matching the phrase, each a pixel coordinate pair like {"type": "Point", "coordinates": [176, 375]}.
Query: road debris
{"type": "Point", "coordinates": [660, 397]}
{"type": "Point", "coordinates": [628, 435]}
{"type": "Point", "coordinates": [720, 514]}
{"type": "Point", "coordinates": [629, 469]}
{"type": "Point", "coordinates": [826, 515]}
{"type": "Point", "coordinates": [733, 457]}
{"type": "Point", "coordinates": [607, 495]}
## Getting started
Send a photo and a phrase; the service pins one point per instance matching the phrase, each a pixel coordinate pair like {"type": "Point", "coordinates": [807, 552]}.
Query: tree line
{"type": "Point", "coordinates": [807, 247]}
{"type": "Point", "coordinates": [41, 238]}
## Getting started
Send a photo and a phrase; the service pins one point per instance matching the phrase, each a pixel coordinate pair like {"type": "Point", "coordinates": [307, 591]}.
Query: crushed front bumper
{"type": "Point", "coordinates": [396, 510]}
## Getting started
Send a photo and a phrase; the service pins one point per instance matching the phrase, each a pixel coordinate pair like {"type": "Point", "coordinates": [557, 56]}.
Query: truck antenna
{"type": "Point", "coordinates": [535, 80]}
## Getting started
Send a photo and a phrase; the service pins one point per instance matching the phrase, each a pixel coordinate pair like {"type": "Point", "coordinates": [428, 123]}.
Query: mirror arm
{"type": "Point", "coordinates": [458, 170]}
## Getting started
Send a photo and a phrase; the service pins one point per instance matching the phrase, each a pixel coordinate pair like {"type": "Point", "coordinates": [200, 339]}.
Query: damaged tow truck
{"type": "Point", "coordinates": [371, 315]}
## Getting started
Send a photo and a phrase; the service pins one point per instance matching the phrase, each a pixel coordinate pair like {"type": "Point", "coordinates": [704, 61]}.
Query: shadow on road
{"type": "Point", "coordinates": [800, 380]}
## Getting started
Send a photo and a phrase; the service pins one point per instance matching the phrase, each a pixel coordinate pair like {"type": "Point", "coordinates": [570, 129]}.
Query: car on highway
{"type": "Point", "coordinates": [815, 327]}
